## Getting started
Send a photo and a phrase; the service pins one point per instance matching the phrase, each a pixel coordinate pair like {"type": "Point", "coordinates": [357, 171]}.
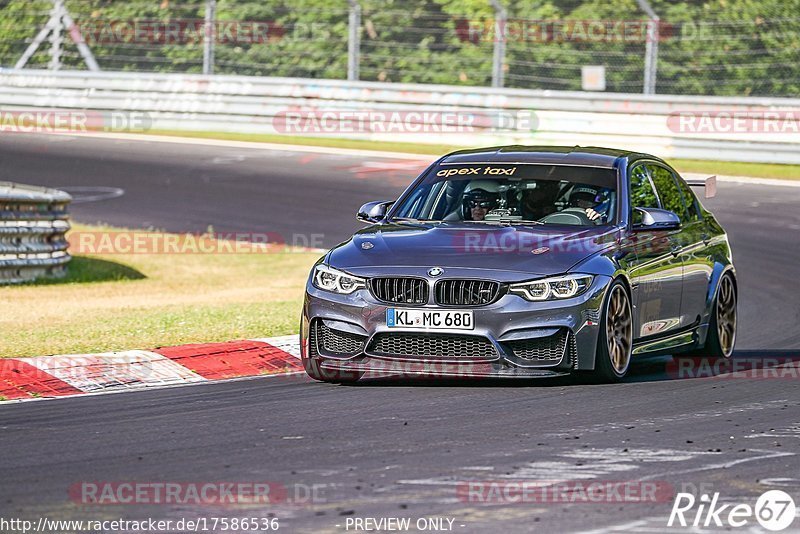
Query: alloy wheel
{"type": "Point", "coordinates": [726, 316]}
{"type": "Point", "coordinates": [619, 329]}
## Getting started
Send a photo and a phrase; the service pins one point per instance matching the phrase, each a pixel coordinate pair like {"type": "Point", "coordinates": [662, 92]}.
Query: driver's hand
{"type": "Point", "coordinates": [593, 215]}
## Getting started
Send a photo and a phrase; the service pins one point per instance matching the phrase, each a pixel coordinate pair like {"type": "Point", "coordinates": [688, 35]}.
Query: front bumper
{"type": "Point", "coordinates": [505, 324]}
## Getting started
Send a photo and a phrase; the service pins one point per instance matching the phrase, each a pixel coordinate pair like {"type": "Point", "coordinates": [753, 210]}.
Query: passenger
{"type": "Point", "coordinates": [477, 203]}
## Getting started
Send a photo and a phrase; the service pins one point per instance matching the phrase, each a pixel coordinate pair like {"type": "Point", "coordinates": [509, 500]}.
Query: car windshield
{"type": "Point", "coordinates": [513, 193]}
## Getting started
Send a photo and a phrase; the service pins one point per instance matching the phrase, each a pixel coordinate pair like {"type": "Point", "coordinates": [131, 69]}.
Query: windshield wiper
{"type": "Point", "coordinates": [522, 221]}
{"type": "Point", "coordinates": [411, 219]}
{"type": "Point", "coordinates": [505, 221]}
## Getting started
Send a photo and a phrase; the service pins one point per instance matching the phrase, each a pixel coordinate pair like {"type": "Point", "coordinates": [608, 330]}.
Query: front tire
{"type": "Point", "coordinates": [615, 343]}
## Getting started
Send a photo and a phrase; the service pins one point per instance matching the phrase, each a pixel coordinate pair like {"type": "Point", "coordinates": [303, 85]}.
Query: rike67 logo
{"type": "Point", "coordinates": [774, 510]}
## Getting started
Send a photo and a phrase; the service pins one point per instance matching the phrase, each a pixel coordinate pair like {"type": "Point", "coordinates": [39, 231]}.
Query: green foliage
{"type": "Point", "coordinates": [714, 47]}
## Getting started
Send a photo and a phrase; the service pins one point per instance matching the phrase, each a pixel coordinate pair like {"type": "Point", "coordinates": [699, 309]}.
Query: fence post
{"type": "Point", "coordinates": [209, 37]}
{"type": "Point", "coordinates": [353, 40]}
{"type": "Point", "coordinates": [651, 49]}
{"type": "Point", "coordinates": [79, 41]}
{"type": "Point", "coordinates": [499, 55]}
{"type": "Point", "coordinates": [56, 35]}
{"type": "Point", "coordinates": [58, 21]}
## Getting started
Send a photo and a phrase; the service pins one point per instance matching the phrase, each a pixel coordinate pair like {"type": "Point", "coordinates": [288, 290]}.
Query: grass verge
{"type": "Point", "coordinates": [726, 168]}
{"type": "Point", "coordinates": [127, 301]}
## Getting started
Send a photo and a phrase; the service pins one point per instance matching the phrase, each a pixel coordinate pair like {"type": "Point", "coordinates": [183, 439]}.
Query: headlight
{"type": "Point", "coordinates": [330, 279]}
{"type": "Point", "coordinates": [562, 287]}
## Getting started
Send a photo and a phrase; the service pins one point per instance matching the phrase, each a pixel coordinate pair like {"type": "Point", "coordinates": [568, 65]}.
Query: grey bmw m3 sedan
{"type": "Point", "coordinates": [522, 261]}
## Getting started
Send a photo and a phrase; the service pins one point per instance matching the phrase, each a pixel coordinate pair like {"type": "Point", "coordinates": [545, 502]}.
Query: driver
{"type": "Point", "coordinates": [477, 203]}
{"type": "Point", "coordinates": [539, 199]}
{"type": "Point", "coordinates": [591, 200]}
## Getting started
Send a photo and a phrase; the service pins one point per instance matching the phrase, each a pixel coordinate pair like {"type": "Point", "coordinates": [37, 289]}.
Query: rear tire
{"type": "Point", "coordinates": [615, 343]}
{"type": "Point", "coordinates": [332, 376]}
{"type": "Point", "coordinates": [722, 327]}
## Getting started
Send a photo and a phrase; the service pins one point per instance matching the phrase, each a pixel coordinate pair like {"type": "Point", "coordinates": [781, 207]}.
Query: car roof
{"type": "Point", "coordinates": [556, 155]}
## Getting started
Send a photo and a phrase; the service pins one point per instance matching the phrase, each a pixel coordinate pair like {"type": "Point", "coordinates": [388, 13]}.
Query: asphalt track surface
{"type": "Point", "coordinates": [389, 448]}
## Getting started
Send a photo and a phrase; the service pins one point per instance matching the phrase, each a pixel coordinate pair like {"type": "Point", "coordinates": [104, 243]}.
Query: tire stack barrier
{"type": "Point", "coordinates": [33, 226]}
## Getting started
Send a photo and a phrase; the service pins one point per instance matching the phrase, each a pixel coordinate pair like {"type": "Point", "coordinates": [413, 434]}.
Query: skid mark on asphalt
{"type": "Point", "coordinates": [659, 523]}
{"type": "Point", "coordinates": [595, 463]}
{"type": "Point", "coordinates": [225, 160]}
{"type": "Point", "coordinates": [605, 465]}
{"type": "Point", "coordinates": [762, 456]}
{"type": "Point", "coordinates": [680, 418]}
{"type": "Point", "coordinates": [790, 485]}
{"type": "Point", "coordinates": [790, 432]}
{"type": "Point", "coordinates": [586, 464]}
{"type": "Point", "coordinates": [578, 464]}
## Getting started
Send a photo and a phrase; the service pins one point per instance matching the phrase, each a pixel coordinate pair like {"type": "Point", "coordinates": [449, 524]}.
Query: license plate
{"type": "Point", "coordinates": [429, 319]}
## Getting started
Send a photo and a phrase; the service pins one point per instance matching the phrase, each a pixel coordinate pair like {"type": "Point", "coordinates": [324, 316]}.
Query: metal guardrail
{"type": "Point", "coordinates": [252, 104]}
{"type": "Point", "coordinates": [33, 224]}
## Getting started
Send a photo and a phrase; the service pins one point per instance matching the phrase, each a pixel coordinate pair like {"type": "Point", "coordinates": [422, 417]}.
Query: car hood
{"type": "Point", "coordinates": [511, 252]}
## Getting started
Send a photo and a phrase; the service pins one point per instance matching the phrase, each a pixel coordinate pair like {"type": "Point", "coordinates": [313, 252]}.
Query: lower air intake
{"type": "Point", "coordinates": [548, 350]}
{"type": "Point", "coordinates": [337, 342]}
{"type": "Point", "coordinates": [432, 346]}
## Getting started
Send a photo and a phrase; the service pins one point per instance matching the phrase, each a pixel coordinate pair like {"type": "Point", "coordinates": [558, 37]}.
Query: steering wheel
{"type": "Point", "coordinates": [576, 216]}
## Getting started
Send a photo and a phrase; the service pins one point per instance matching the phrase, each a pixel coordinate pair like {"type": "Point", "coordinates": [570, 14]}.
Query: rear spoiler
{"type": "Point", "coordinates": [710, 185]}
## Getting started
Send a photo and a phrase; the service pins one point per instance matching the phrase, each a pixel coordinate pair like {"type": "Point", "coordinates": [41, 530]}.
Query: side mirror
{"type": "Point", "coordinates": [655, 219]}
{"type": "Point", "coordinates": [373, 211]}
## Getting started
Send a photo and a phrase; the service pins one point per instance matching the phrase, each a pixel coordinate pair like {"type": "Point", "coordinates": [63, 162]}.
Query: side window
{"type": "Point", "coordinates": [689, 199]}
{"type": "Point", "coordinates": [668, 191]}
{"type": "Point", "coordinates": [641, 192]}
{"type": "Point", "coordinates": [413, 204]}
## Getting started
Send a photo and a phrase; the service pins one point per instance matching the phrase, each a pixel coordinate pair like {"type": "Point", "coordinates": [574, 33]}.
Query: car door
{"type": "Point", "coordinates": [687, 243]}
{"type": "Point", "coordinates": [658, 274]}
{"type": "Point", "coordinates": [698, 263]}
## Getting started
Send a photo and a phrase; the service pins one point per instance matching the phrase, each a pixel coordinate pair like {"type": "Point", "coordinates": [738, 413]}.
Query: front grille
{"type": "Point", "coordinates": [332, 341]}
{"type": "Point", "coordinates": [545, 350]}
{"type": "Point", "coordinates": [434, 346]}
{"type": "Point", "coordinates": [465, 292]}
{"type": "Point", "coordinates": [400, 290]}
